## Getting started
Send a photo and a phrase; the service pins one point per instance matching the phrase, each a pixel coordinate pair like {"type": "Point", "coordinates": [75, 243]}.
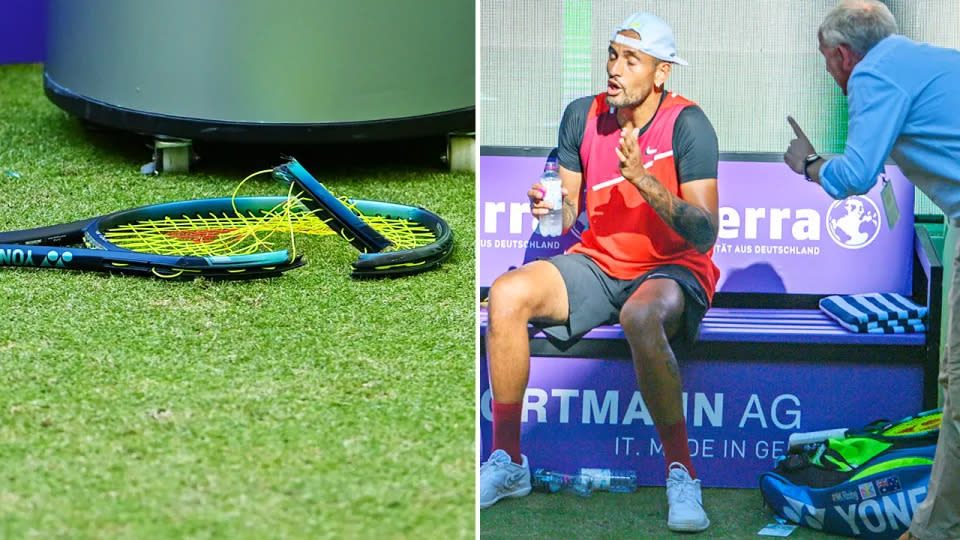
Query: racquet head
{"type": "Point", "coordinates": [393, 239]}
{"type": "Point", "coordinates": [212, 238]}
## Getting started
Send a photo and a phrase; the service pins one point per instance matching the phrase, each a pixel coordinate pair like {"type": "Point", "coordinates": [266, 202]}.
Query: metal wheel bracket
{"type": "Point", "coordinates": [170, 156]}
{"type": "Point", "coordinates": [461, 148]}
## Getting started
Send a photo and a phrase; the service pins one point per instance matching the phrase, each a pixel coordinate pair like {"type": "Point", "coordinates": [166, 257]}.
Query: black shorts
{"type": "Point", "coordinates": [596, 298]}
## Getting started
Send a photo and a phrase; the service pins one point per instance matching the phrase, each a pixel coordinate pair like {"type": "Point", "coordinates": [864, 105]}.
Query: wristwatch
{"type": "Point", "coordinates": [807, 163]}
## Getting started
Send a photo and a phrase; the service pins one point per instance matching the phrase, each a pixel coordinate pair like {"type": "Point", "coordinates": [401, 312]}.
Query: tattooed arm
{"type": "Point", "coordinates": [695, 217]}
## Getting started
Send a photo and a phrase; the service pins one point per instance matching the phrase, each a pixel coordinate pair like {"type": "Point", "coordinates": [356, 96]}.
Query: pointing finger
{"type": "Point", "coordinates": [796, 128]}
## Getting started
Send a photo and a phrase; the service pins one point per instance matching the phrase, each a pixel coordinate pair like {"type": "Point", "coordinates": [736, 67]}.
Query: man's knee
{"type": "Point", "coordinates": [641, 321]}
{"type": "Point", "coordinates": [510, 297]}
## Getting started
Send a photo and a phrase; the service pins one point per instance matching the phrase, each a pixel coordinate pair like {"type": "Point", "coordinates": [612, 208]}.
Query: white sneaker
{"type": "Point", "coordinates": [500, 477]}
{"type": "Point", "coordinates": [686, 512]}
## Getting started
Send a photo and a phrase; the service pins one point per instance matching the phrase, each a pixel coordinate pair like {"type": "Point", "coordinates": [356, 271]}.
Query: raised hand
{"type": "Point", "coordinates": [799, 148]}
{"type": "Point", "coordinates": [631, 158]}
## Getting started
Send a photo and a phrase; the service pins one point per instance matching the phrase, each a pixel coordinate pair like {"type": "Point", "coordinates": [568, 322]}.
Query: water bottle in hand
{"type": "Point", "coordinates": [551, 224]}
{"type": "Point", "coordinates": [614, 480]}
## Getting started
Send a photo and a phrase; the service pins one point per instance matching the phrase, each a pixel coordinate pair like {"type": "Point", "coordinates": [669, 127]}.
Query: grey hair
{"type": "Point", "coordinates": [861, 24]}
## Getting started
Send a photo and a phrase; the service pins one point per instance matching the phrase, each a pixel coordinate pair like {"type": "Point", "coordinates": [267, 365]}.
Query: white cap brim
{"type": "Point", "coordinates": [639, 45]}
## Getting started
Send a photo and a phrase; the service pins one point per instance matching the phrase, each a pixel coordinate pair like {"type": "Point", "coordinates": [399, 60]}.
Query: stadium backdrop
{"type": "Point", "coordinates": [752, 62]}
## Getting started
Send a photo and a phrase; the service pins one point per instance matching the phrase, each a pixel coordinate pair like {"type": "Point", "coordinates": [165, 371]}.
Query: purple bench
{"type": "Point", "coordinates": [786, 326]}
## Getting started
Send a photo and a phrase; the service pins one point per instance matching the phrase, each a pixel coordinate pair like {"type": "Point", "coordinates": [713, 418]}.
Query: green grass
{"type": "Point", "coordinates": [733, 513]}
{"type": "Point", "coordinates": [306, 406]}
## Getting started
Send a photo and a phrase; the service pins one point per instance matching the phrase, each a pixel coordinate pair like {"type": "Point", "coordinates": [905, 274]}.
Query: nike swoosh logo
{"type": "Point", "coordinates": [651, 151]}
{"type": "Point", "coordinates": [513, 480]}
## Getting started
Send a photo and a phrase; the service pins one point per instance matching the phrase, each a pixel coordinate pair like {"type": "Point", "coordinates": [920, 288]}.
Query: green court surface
{"type": "Point", "coordinates": [306, 406]}
{"type": "Point", "coordinates": [733, 513]}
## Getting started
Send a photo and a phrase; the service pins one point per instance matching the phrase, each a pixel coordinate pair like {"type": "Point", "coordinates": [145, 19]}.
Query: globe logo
{"type": "Point", "coordinates": [854, 222]}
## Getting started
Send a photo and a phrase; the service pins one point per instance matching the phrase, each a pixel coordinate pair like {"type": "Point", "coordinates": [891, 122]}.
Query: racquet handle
{"type": "Point", "coordinates": [52, 235]}
{"type": "Point", "coordinates": [810, 437]}
{"type": "Point", "coordinates": [97, 259]}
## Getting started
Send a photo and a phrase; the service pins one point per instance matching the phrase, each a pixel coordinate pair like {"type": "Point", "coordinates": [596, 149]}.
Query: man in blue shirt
{"type": "Point", "coordinates": [904, 101]}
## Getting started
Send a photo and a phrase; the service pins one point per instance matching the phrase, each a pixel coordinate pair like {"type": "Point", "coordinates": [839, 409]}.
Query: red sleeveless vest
{"type": "Point", "coordinates": [626, 237]}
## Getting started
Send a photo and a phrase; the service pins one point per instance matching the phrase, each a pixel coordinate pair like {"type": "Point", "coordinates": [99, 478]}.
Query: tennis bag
{"type": "Point", "coordinates": [865, 484]}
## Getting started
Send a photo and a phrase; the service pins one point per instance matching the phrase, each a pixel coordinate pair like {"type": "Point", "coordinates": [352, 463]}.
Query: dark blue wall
{"type": "Point", "coordinates": [22, 31]}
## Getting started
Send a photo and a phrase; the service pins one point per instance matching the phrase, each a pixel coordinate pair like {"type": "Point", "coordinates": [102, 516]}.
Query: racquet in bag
{"type": "Point", "coordinates": [864, 483]}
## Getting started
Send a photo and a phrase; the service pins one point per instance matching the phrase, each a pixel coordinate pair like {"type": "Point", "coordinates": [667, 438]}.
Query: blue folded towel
{"type": "Point", "coordinates": [882, 327]}
{"type": "Point", "coordinates": [857, 309]}
{"type": "Point", "coordinates": [875, 313]}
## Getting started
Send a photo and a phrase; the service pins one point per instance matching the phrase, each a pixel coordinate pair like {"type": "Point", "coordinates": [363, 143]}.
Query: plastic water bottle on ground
{"type": "Point", "coordinates": [551, 224]}
{"type": "Point", "coordinates": [618, 481]}
{"type": "Point", "coordinates": [581, 486]}
{"type": "Point", "coordinates": [546, 481]}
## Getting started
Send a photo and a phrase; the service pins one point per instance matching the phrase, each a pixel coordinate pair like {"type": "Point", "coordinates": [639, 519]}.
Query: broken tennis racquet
{"type": "Point", "coordinates": [415, 240]}
{"type": "Point", "coordinates": [236, 238]}
{"type": "Point", "coordinates": [179, 240]}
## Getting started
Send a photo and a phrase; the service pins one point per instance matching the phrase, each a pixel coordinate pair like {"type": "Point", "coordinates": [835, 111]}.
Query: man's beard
{"type": "Point", "coordinates": [625, 99]}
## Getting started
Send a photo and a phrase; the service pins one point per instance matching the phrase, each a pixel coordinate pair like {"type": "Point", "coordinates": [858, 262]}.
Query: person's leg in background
{"type": "Point", "coordinates": [938, 516]}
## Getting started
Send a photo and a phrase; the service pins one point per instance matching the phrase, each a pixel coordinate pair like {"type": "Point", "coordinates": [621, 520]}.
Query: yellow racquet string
{"type": "Point", "coordinates": [916, 425]}
{"type": "Point", "coordinates": [240, 234]}
{"type": "Point", "coordinates": [401, 233]}
{"type": "Point", "coordinates": [215, 234]}
{"type": "Point", "coordinates": [293, 244]}
{"type": "Point", "coordinates": [168, 276]}
{"type": "Point", "coordinates": [257, 242]}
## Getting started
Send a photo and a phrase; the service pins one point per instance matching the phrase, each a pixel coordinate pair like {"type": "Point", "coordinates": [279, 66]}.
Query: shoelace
{"type": "Point", "coordinates": [686, 491]}
{"type": "Point", "coordinates": [491, 464]}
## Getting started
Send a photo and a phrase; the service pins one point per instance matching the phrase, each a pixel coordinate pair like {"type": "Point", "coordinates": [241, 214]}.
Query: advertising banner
{"type": "Point", "coordinates": [777, 232]}
{"type": "Point", "coordinates": [589, 413]}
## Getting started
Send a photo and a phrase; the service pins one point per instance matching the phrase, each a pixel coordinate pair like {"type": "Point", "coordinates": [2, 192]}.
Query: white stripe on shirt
{"type": "Point", "coordinates": [617, 180]}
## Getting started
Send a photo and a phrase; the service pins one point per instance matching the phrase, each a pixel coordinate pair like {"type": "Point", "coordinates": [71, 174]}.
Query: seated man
{"type": "Point", "coordinates": [645, 162]}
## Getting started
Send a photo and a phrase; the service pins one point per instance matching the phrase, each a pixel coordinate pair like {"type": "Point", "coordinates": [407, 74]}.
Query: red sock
{"type": "Point", "coordinates": [506, 429]}
{"type": "Point", "coordinates": [673, 437]}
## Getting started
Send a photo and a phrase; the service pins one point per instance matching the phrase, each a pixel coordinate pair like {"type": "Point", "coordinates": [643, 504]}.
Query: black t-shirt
{"type": "Point", "coordinates": [695, 147]}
